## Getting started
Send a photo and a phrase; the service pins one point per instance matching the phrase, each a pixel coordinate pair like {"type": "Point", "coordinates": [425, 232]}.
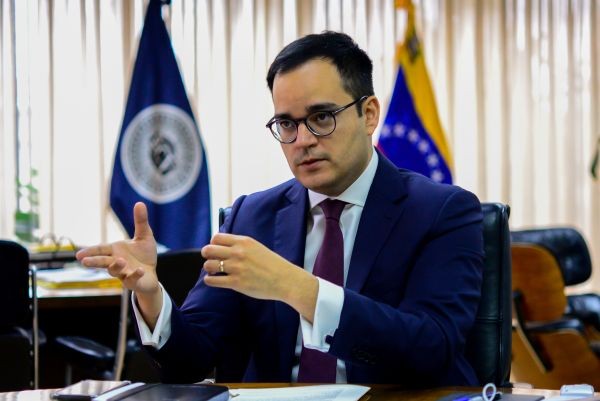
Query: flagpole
{"type": "Point", "coordinates": [167, 19]}
{"type": "Point", "coordinates": [594, 165]}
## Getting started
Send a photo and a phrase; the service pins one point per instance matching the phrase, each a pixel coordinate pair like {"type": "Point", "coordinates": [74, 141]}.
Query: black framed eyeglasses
{"type": "Point", "coordinates": [320, 123]}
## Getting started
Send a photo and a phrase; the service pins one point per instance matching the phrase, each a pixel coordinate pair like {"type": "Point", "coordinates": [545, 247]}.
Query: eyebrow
{"type": "Point", "coordinates": [328, 106]}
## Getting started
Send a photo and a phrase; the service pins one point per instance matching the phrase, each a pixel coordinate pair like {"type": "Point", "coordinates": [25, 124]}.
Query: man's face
{"type": "Point", "coordinates": [327, 164]}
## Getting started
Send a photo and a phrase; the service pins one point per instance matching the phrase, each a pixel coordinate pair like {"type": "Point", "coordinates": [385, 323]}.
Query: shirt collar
{"type": "Point", "coordinates": [355, 194]}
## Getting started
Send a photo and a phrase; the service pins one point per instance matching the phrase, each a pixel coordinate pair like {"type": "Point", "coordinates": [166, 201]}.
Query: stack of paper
{"type": "Point", "coordinates": [77, 277]}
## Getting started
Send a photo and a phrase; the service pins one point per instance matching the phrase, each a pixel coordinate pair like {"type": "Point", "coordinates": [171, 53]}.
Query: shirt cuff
{"type": "Point", "coordinates": [330, 300]}
{"type": "Point", "coordinates": [162, 330]}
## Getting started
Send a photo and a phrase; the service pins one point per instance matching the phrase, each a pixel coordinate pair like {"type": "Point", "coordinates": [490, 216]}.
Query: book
{"type": "Point", "coordinates": [162, 391]}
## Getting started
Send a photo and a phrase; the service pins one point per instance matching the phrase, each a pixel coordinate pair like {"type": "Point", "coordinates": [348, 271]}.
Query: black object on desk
{"type": "Point", "coordinates": [180, 392]}
{"type": "Point", "coordinates": [499, 397]}
{"type": "Point", "coordinates": [87, 390]}
{"type": "Point", "coordinates": [52, 259]}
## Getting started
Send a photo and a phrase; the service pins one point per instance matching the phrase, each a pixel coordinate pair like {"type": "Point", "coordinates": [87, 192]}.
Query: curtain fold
{"type": "Point", "coordinates": [517, 84]}
{"type": "Point", "coordinates": [8, 114]}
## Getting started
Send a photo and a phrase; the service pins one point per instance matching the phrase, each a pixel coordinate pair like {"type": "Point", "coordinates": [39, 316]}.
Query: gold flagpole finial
{"type": "Point", "coordinates": [406, 4]}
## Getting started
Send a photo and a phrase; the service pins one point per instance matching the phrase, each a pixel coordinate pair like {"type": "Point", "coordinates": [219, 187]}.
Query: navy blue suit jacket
{"type": "Point", "coordinates": [411, 294]}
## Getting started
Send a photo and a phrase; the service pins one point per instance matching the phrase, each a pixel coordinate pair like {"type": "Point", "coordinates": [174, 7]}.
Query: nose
{"type": "Point", "coordinates": [305, 137]}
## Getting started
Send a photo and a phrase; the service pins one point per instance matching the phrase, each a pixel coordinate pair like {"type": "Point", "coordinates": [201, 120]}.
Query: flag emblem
{"type": "Point", "coordinates": [161, 153]}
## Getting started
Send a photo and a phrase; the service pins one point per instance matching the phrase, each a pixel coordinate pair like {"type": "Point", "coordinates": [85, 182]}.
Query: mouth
{"type": "Point", "coordinates": [310, 162]}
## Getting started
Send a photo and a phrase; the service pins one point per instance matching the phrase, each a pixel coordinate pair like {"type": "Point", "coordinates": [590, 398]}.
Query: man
{"type": "Point", "coordinates": [408, 252]}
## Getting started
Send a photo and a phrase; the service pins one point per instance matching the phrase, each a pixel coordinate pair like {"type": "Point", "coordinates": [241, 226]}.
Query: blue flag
{"type": "Point", "coordinates": [412, 136]}
{"type": "Point", "coordinates": [160, 158]}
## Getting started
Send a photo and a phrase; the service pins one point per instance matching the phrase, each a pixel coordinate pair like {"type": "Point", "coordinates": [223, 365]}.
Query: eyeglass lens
{"type": "Point", "coordinates": [320, 123]}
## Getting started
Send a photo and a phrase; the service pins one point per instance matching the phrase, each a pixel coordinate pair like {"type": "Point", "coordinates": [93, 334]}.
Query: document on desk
{"type": "Point", "coordinates": [329, 392]}
{"type": "Point", "coordinates": [76, 277]}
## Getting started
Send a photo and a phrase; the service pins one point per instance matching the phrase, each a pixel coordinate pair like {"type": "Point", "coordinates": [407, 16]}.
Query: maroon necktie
{"type": "Point", "coordinates": [317, 366]}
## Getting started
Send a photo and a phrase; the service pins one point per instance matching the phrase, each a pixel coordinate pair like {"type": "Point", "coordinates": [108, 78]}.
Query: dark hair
{"type": "Point", "coordinates": [353, 64]}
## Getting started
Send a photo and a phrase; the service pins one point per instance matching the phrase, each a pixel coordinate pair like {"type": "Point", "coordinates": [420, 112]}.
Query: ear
{"type": "Point", "coordinates": [371, 109]}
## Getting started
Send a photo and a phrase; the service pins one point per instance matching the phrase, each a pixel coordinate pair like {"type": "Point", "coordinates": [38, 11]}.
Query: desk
{"type": "Point", "coordinates": [78, 297]}
{"type": "Point", "coordinates": [377, 392]}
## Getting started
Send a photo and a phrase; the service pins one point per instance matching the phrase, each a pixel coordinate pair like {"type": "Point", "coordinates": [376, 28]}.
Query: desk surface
{"type": "Point", "coordinates": [78, 297]}
{"type": "Point", "coordinates": [377, 392]}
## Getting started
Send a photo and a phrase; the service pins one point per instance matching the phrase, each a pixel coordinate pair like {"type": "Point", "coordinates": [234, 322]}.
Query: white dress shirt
{"type": "Point", "coordinates": [330, 297]}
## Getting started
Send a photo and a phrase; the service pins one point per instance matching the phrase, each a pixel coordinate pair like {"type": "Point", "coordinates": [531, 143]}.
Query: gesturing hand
{"type": "Point", "coordinates": [254, 270]}
{"type": "Point", "coordinates": [131, 261]}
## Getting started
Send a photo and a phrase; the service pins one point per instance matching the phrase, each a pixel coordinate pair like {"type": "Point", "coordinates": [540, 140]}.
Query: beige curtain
{"type": "Point", "coordinates": [518, 88]}
{"type": "Point", "coordinates": [7, 120]}
{"type": "Point", "coordinates": [516, 82]}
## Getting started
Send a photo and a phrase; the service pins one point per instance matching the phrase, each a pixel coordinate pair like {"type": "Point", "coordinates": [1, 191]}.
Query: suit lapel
{"type": "Point", "coordinates": [290, 226]}
{"type": "Point", "coordinates": [380, 214]}
{"type": "Point", "coordinates": [289, 242]}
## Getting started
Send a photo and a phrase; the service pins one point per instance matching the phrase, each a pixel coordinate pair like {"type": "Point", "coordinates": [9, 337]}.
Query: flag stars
{"type": "Point", "coordinates": [423, 146]}
{"type": "Point", "coordinates": [413, 136]}
{"type": "Point", "coordinates": [385, 130]}
{"type": "Point", "coordinates": [433, 160]}
{"type": "Point", "coordinates": [437, 175]}
{"type": "Point", "coordinates": [399, 130]}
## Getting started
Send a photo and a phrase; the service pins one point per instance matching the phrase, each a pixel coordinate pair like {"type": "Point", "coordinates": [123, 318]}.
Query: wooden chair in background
{"type": "Point", "coordinates": [549, 349]}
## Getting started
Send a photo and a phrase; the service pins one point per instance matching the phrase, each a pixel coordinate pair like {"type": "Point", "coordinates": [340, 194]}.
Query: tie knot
{"type": "Point", "coordinates": [332, 208]}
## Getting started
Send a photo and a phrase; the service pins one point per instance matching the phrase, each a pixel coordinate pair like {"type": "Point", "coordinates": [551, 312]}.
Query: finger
{"type": "Point", "coordinates": [217, 281]}
{"type": "Point", "coordinates": [140, 220]}
{"type": "Point", "coordinates": [98, 250]}
{"type": "Point", "coordinates": [218, 252]}
{"type": "Point", "coordinates": [97, 261]}
{"type": "Point", "coordinates": [226, 239]}
{"type": "Point", "coordinates": [118, 269]}
{"type": "Point", "coordinates": [212, 266]}
{"type": "Point", "coordinates": [136, 274]}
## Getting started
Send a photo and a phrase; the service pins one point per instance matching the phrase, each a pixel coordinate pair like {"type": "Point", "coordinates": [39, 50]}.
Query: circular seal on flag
{"type": "Point", "coordinates": [161, 153]}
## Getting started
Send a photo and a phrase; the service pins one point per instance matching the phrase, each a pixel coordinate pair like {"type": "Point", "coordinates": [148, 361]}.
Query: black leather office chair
{"type": "Point", "coordinates": [16, 347]}
{"type": "Point", "coordinates": [224, 212]}
{"type": "Point", "coordinates": [178, 271]}
{"type": "Point", "coordinates": [489, 343]}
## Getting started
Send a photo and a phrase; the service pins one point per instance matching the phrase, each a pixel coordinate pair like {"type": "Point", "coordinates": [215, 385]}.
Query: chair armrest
{"type": "Point", "coordinates": [585, 307]}
{"type": "Point", "coordinates": [86, 351]}
{"type": "Point", "coordinates": [561, 324]}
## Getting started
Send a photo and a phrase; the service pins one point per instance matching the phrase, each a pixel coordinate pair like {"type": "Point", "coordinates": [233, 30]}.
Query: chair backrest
{"type": "Point", "coordinates": [537, 278]}
{"type": "Point", "coordinates": [178, 271]}
{"type": "Point", "coordinates": [488, 345]}
{"type": "Point", "coordinates": [14, 294]}
{"type": "Point", "coordinates": [549, 348]}
{"type": "Point", "coordinates": [16, 363]}
{"type": "Point", "coordinates": [223, 213]}
{"type": "Point", "coordinates": [568, 247]}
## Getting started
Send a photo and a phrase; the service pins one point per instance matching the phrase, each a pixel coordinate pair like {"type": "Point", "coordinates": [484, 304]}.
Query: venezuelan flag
{"type": "Point", "coordinates": [412, 136]}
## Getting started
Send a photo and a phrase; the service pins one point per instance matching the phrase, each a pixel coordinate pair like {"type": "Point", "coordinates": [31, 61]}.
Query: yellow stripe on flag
{"type": "Point", "coordinates": [409, 56]}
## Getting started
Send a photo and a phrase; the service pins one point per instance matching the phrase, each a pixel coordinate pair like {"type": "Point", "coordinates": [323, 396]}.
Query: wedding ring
{"type": "Point", "coordinates": [221, 269]}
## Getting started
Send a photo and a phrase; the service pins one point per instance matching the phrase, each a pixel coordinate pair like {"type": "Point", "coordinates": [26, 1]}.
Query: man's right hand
{"type": "Point", "coordinates": [133, 262]}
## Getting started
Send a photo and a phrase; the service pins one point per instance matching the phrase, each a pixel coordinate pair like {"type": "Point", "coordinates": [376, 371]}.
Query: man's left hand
{"type": "Point", "coordinates": [254, 270]}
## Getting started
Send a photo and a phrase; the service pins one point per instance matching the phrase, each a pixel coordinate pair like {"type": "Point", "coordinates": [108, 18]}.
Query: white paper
{"type": "Point", "coordinates": [330, 392]}
{"type": "Point", "coordinates": [73, 274]}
